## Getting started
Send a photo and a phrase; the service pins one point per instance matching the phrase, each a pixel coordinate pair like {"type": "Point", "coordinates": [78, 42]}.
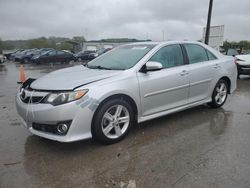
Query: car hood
{"type": "Point", "coordinates": [70, 78]}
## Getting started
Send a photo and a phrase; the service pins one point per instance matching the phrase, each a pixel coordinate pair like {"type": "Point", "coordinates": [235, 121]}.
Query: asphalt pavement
{"type": "Point", "coordinates": [199, 147]}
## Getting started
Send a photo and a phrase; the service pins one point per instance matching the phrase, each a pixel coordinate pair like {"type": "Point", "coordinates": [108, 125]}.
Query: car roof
{"type": "Point", "coordinates": [165, 43]}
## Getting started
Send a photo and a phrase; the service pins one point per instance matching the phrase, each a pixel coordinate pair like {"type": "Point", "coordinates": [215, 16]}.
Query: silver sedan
{"type": "Point", "coordinates": [127, 85]}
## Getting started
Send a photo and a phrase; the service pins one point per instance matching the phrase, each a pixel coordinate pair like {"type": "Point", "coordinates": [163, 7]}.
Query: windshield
{"type": "Point", "coordinates": [121, 58]}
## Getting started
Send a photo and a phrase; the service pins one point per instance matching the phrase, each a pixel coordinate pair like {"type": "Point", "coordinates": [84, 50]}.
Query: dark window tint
{"type": "Point", "coordinates": [60, 52]}
{"type": "Point", "coordinates": [196, 53]}
{"type": "Point", "coordinates": [169, 56]}
{"type": "Point", "coordinates": [52, 53]}
{"type": "Point", "coordinates": [211, 56]}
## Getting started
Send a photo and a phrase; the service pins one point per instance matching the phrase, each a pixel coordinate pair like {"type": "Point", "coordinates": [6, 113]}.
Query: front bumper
{"type": "Point", "coordinates": [81, 117]}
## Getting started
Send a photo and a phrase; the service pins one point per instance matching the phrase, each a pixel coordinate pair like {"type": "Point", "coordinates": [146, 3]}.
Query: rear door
{"type": "Point", "coordinates": [167, 88]}
{"type": "Point", "coordinates": [51, 56]}
{"type": "Point", "coordinates": [62, 56]}
{"type": "Point", "coordinates": [203, 68]}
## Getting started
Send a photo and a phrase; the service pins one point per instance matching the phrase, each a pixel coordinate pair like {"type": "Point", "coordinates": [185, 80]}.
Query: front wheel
{"type": "Point", "coordinates": [220, 94]}
{"type": "Point", "coordinates": [112, 121]}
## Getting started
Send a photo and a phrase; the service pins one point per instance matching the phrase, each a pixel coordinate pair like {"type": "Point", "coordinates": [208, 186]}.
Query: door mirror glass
{"type": "Point", "coordinates": [153, 66]}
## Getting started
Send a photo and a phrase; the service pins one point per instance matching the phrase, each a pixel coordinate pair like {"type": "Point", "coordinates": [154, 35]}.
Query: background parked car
{"type": "Point", "coordinates": [8, 54]}
{"type": "Point", "coordinates": [242, 61]}
{"type": "Point", "coordinates": [25, 56]}
{"type": "Point", "coordinates": [247, 52]}
{"type": "Point", "coordinates": [14, 54]}
{"type": "Point", "coordinates": [2, 58]}
{"type": "Point", "coordinates": [98, 53]}
{"type": "Point", "coordinates": [84, 55]}
{"type": "Point", "coordinates": [53, 56]}
{"type": "Point", "coordinates": [243, 64]}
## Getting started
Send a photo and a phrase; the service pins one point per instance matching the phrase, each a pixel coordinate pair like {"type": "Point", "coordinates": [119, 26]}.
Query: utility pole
{"type": "Point", "coordinates": [208, 22]}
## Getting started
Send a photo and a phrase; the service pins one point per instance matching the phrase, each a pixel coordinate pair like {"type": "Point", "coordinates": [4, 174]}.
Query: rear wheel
{"type": "Point", "coordinates": [220, 94]}
{"type": "Point", "coordinates": [112, 121]}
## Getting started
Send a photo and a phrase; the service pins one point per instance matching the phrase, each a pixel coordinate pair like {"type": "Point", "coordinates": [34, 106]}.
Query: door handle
{"type": "Point", "coordinates": [216, 66]}
{"type": "Point", "coordinates": [184, 72]}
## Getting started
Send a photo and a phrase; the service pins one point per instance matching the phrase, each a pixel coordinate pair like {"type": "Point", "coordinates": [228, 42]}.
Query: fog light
{"type": "Point", "coordinates": [62, 128]}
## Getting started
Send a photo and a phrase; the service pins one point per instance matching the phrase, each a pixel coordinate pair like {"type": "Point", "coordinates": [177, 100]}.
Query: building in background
{"type": "Point", "coordinates": [216, 36]}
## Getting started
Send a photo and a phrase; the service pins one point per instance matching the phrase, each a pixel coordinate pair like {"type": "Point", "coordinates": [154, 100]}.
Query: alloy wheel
{"type": "Point", "coordinates": [221, 93]}
{"type": "Point", "coordinates": [115, 121]}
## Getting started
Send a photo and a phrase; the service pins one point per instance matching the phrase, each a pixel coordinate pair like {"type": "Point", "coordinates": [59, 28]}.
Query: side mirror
{"type": "Point", "coordinates": [153, 66]}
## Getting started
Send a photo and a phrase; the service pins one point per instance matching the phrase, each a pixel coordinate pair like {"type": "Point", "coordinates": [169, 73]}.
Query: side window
{"type": "Point", "coordinates": [196, 53]}
{"type": "Point", "coordinates": [52, 52]}
{"type": "Point", "coordinates": [60, 52]}
{"type": "Point", "coordinates": [169, 56]}
{"type": "Point", "coordinates": [210, 55]}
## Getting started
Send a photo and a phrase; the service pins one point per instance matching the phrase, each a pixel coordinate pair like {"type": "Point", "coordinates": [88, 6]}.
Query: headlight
{"type": "Point", "coordinates": [62, 98]}
{"type": "Point", "coordinates": [96, 54]}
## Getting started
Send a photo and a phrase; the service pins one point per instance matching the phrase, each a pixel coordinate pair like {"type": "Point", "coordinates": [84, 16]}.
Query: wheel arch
{"type": "Point", "coordinates": [227, 79]}
{"type": "Point", "coordinates": [117, 96]}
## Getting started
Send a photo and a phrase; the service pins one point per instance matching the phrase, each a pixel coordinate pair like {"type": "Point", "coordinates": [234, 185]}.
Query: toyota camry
{"type": "Point", "coordinates": [130, 84]}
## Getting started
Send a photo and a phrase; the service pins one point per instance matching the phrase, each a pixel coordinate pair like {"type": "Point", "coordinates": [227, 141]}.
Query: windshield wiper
{"type": "Point", "coordinates": [98, 67]}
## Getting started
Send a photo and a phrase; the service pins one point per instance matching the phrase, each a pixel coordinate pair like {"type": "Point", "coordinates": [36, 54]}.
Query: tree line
{"type": "Point", "coordinates": [240, 46]}
{"type": "Point", "coordinates": [60, 43]}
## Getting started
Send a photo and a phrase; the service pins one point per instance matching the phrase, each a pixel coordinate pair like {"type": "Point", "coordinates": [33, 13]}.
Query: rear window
{"type": "Point", "coordinates": [196, 53]}
{"type": "Point", "coordinates": [210, 55]}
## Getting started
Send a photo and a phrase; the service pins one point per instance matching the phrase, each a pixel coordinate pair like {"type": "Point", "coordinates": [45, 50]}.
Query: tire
{"type": "Point", "coordinates": [220, 94]}
{"type": "Point", "coordinates": [26, 60]}
{"type": "Point", "coordinates": [106, 128]}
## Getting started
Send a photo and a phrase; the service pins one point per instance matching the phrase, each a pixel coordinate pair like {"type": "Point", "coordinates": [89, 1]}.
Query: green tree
{"type": "Point", "coordinates": [79, 39]}
{"type": "Point", "coordinates": [1, 45]}
{"type": "Point", "coordinates": [64, 46]}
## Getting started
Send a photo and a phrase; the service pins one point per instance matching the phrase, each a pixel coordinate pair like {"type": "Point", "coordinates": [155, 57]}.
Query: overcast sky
{"type": "Point", "coordinates": [141, 19]}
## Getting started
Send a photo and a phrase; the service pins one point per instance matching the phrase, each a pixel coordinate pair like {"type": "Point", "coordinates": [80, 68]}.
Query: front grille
{"type": "Point", "coordinates": [35, 99]}
{"type": "Point", "coordinates": [245, 66]}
